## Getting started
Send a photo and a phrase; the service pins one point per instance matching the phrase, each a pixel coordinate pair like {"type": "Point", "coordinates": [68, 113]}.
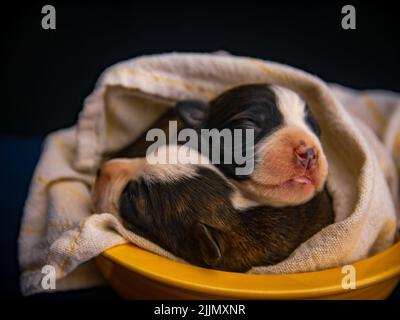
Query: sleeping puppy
{"type": "Point", "coordinates": [195, 212]}
{"type": "Point", "coordinates": [290, 167]}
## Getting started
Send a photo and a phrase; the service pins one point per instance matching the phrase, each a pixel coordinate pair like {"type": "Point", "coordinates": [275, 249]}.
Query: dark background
{"type": "Point", "coordinates": [46, 74]}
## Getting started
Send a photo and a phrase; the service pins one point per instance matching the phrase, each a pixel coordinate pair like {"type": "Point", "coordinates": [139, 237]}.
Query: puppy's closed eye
{"type": "Point", "coordinates": [134, 206]}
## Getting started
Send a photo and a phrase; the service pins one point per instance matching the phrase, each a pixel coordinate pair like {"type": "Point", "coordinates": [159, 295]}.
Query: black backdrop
{"type": "Point", "coordinates": [47, 73]}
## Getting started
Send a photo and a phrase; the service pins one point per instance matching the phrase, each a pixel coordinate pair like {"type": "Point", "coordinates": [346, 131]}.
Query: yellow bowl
{"type": "Point", "coordinates": [138, 274]}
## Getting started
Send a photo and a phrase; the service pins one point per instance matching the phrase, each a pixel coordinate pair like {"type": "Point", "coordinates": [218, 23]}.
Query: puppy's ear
{"type": "Point", "coordinates": [192, 113]}
{"type": "Point", "coordinates": [209, 243]}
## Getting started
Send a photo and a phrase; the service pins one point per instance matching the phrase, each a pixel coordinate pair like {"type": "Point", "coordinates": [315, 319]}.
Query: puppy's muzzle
{"type": "Point", "coordinates": [111, 179]}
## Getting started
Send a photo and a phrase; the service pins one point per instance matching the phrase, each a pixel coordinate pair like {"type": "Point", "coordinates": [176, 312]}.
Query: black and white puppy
{"type": "Point", "coordinates": [195, 212]}
{"type": "Point", "coordinates": [290, 167]}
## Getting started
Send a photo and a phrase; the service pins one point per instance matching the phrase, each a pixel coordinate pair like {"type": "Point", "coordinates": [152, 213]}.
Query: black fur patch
{"type": "Point", "coordinates": [246, 107]}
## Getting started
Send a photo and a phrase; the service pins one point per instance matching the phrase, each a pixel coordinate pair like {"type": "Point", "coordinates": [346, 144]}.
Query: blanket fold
{"type": "Point", "coordinates": [360, 135]}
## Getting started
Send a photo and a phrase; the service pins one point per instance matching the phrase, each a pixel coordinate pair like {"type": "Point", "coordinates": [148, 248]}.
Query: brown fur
{"type": "Point", "coordinates": [195, 219]}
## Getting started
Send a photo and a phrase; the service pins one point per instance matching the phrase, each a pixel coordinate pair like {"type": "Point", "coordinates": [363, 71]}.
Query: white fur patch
{"type": "Point", "coordinates": [240, 202]}
{"type": "Point", "coordinates": [292, 107]}
{"type": "Point", "coordinates": [181, 162]}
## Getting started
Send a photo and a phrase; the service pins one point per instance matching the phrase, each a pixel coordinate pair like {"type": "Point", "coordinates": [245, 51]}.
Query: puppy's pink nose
{"type": "Point", "coordinates": [306, 156]}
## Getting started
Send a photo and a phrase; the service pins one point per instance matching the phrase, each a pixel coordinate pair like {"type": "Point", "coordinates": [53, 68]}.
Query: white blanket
{"type": "Point", "coordinates": [58, 228]}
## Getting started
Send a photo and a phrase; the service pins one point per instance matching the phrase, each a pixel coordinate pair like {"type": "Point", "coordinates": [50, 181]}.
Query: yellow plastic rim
{"type": "Point", "coordinates": [370, 271]}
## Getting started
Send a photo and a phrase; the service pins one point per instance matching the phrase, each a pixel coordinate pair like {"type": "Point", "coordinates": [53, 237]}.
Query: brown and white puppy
{"type": "Point", "coordinates": [290, 165]}
{"type": "Point", "coordinates": [195, 212]}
